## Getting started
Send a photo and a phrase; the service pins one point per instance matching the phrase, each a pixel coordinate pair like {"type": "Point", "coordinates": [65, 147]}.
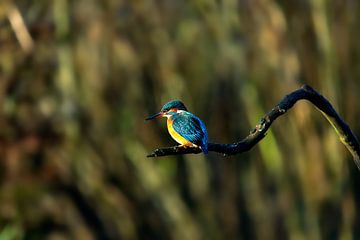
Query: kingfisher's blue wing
{"type": "Point", "coordinates": [191, 128]}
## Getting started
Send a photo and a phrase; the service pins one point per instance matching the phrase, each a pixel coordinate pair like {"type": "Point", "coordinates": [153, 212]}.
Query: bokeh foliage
{"type": "Point", "coordinates": [74, 93]}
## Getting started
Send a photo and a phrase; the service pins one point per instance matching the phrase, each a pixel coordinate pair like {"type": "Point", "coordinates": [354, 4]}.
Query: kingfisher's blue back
{"type": "Point", "coordinates": [191, 128]}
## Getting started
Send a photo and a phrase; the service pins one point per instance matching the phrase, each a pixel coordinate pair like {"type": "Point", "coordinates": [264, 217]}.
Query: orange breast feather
{"type": "Point", "coordinates": [177, 137]}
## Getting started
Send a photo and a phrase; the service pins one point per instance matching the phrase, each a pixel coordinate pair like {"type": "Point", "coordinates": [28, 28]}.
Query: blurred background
{"type": "Point", "coordinates": [77, 79]}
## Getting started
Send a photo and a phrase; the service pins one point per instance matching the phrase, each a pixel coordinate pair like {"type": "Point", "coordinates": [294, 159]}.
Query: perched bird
{"type": "Point", "coordinates": [183, 126]}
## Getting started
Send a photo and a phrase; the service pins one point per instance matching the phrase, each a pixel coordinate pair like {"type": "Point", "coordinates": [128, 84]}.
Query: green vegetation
{"type": "Point", "coordinates": [77, 79]}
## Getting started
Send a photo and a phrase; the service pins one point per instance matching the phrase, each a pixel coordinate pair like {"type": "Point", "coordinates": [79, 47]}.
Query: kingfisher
{"type": "Point", "coordinates": [183, 126]}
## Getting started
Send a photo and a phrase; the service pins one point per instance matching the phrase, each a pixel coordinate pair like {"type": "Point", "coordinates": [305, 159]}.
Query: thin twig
{"type": "Point", "coordinates": [347, 137]}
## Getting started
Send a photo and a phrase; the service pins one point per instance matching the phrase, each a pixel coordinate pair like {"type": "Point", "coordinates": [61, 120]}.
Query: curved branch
{"type": "Point", "coordinates": [347, 137]}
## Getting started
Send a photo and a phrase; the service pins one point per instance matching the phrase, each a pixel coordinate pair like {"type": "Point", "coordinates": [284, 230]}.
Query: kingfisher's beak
{"type": "Point", "coordinates": [157, 115]}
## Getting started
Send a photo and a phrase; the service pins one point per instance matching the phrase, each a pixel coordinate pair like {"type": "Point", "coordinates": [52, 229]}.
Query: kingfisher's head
{"type": "Point", "coordinates": [169, 109]}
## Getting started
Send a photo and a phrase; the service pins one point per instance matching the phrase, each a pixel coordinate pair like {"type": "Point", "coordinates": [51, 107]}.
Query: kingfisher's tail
{"type": "Point", "coordinates": [204, 148]}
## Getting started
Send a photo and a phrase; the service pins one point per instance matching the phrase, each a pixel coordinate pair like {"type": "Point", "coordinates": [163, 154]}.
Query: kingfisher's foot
{"type": "Point", "coordinates": [188, 146]}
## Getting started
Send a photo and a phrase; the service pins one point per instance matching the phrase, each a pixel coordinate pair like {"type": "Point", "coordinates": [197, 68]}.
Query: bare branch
{"type": "Point", "coordinates": [347, 137]}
